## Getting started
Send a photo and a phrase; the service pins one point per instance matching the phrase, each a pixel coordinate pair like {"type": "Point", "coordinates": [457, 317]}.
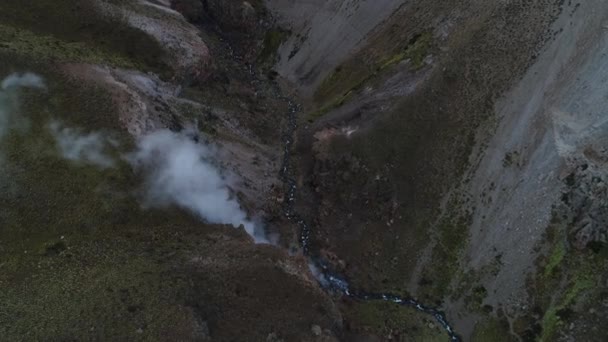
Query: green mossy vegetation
{"type": "Point", "coordinates": [581, 281]}
{"type": "Point", "coordinates": [492, 330]}
{"type": "Point", "coordinates": [416, 52]}
{"type": "Point", "coordinates": [47, 47]}
{"type": "Point", "coordinates": [344, 79]}
{"type": "Point", "coordinates": [335, 103]}
{"type": "Point", "coordinates": [452, 237]}
{"type": "Point", "coordinates": [567, 279]}
{"type": "Point", "coordinates": [555, 259]}
{"type": "Point", "coordinates": [580, 274]}
{"type": "Point", "coordinates": [347, 79]}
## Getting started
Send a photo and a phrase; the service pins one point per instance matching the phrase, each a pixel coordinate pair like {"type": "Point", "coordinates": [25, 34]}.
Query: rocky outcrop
{"type": "Point", "coordinates": [186, 53]}
{"type": "Point", "coordinates": [585, 206]}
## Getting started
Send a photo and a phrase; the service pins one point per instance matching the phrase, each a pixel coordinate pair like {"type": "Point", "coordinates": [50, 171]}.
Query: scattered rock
{"type": "Point", "coordinates": [272, 337]}
{"type": "Point", "coordinates": [588, 216]}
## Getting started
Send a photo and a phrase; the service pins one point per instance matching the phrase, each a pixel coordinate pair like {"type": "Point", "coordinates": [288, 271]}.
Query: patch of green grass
{"type": "Point", "coordinates": [392, 60]}
{"type": "Point", "coordinates": [453, 233]}
{"type": "Point", "coordinates": [46, 47]}
{"type": "Point", "coordinates": [475, 300]}
{"type": "Point", "coordinates": [578, 271]}
{"type": "Point", "coordinates": [337, 102]}
{"type": "Point", "coordinates": [54, 196]}
{"type": "Point", "coordinates": [492, 330]}
{"type": "Point", "coordinates": [384, 318]}
{"type": "Point", "coordinates": [555, 259]}
{"type": "Point", "coordinates": [338, 87]}
{"type": "Point", "coordinates": [551, 320]}
{"type": "Point", "coordinates": [65, 30]}
{"type": "Point", "coordinates": [341, 81]}
{"type": "Point", "coordinates": [549, 324]}
{"type": "Point", "coordinates": [416, 52]}
{"type": "Point", "coordinates": [272, 41]}
{"type": "Point", "coordinates": [53, 247]}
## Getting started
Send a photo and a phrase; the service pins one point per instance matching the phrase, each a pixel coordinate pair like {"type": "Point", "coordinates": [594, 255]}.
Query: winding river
{"type": "Point", "coordinates": [334, 281]}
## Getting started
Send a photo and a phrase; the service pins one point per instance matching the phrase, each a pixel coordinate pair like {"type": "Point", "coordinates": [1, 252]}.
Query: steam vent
{"type": "Point", "coordinates": [304, 170]}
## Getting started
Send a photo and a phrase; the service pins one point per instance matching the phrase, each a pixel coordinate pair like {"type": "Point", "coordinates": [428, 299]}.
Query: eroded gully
{"type": "Point", "coordinates": [330, 280]}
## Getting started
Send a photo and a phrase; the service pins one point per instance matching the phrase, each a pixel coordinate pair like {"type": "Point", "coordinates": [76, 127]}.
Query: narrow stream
{"type": "Point", "coordinates": [335, 282]}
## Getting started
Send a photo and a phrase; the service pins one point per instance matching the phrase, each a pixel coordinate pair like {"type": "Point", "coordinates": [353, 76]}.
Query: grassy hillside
{"type": "Point", "coordinates": [80, 258]}
{"type": "Point", "coordinates": [75, 30]}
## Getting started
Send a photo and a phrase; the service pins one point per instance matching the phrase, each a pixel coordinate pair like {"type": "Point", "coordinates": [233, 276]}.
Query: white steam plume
{"type": "Point", "coordinates": [82, 148]}
{"type": "Point", "coordinates": [179, 171]}
{"type": "Point", "coordinates": [8, 100]}
{"type": "Point", "coordinates": [22, 80]}
{"type": "Point", "coordinates": [318, 274]}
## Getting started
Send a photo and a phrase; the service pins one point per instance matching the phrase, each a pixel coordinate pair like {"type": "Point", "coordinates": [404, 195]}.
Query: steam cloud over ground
{"type": "Point", "coordinates": [8, 100]}
{"type": "Point", "coordinates": [83, 148]}
{"type": "Point", "coordinates": [179, 171]}
{"type": "Point", "coordinates": [176, 171]}
{"type": "Point", "coordinates": [22, 80]}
